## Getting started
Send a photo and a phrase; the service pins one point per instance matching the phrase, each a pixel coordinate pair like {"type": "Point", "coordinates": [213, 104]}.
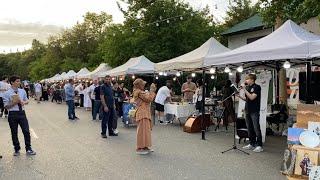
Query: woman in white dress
{"type": "Point", "coordinates": [87, 100]}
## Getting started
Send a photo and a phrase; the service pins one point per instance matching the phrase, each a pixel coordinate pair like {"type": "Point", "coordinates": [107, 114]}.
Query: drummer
{"type": "Point", "coordinates": [188, 89]}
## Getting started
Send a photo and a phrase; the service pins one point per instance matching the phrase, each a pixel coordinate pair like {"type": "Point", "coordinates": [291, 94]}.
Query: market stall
{"type": "Point", "coordinates": [82, 73]}
{"type": "Point", "coordinates": [194, 59]}
{"type": "Point", "coordinates": [180, 110]}
{"type": "Point", "coordinates": [136, 65]}
{"type": "Point", "coordinates": [103, 67]}
{"type": "Point", "coordinates": [70, 75]}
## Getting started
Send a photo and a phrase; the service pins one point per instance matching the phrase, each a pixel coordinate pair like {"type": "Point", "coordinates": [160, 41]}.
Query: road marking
{"type": "Point", "coordinates": [34, 135]}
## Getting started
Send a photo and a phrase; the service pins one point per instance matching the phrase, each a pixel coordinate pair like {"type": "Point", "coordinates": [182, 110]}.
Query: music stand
{"type": "Point", "coordinates": [234, 146]}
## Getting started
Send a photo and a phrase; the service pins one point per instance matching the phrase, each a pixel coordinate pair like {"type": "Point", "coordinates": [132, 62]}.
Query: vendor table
{"type": "Point", "coordinates": [179, 110]}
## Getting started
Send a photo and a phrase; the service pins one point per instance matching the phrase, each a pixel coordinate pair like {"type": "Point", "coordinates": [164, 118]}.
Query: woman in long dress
{"type": "Point", "coordinates": [87, 100]}
{"type": "Point", "coordinates": [143, 115]}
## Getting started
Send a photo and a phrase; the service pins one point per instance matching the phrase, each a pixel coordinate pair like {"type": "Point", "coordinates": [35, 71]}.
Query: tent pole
{"type": "Point", "coordinates": [203, 131]}
{"type": "Point", "coordinates": [308, 83]}
{"type": "Point", "coordinates": [277, 82]}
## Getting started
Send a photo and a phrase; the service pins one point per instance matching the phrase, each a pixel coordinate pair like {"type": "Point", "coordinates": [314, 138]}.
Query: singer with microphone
{"type": "Point", "coordinates": [252, 97]}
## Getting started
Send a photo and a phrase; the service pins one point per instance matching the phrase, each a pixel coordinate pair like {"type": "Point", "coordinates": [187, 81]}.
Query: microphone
{"type": "Point", "coordinates": [234, 88]}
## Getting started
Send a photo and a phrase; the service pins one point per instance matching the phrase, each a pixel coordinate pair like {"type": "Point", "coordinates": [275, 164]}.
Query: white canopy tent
{"type": "Point", "coordinates": [70, 75]}
{"type": "Point", "coordinates": [103, 67]}
{"type": "Point", "coordinates": [59, 78]}
{"type": "Point", "coordinates": [52, 78]}
{"type": "Point", "coordinates": [82, 72]}
{"type": "Point", "coordinates": [193, 59]}
{"type": "Point", "coordinates": [136, 65]}
{"type": "Point", "coordinates": [290, 41]}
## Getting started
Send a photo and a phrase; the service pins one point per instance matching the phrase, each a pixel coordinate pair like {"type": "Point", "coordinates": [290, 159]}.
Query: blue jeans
{"type": "Point", "coordinates": [107, 121]}
{"type": "Point", "coordinates": [97, 109]}
{"type": "Point", "coordinates": [253, 125]}
{"type": "Point", "coordinates": [71, 112]}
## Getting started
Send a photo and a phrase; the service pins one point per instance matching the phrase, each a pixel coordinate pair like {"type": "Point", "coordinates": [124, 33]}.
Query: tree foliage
{"type": "Point", "coordinates": [239, 11]}
{"type": "Point", "coordinates": [296, 10]}
{"type": "Point", "coordinates": [97, 39]}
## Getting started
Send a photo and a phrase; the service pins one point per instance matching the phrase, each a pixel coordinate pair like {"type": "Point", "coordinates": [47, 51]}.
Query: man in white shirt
{"type": "Point", "coordinates": [14, 100]}
{"type": "Point", "coordinates": [92, 95]}
{"type": "Point", "coordinates": [4, 86]}
{"type": "Point", "coordinates": [38, 91]}
{"type": "Point", "coordinates": [163, 96]}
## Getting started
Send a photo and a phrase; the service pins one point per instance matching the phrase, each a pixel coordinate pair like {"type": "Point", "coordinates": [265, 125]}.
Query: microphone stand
{"type": "Point", "coordinates": [234, 146]}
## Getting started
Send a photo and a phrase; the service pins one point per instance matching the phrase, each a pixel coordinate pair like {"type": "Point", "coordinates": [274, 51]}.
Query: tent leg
{"type": "Point", "coordinates": [277, 83]}
{"type": "Point", "coordinates": [203, 131]}
{"type": "Point", "coordinates": [309, 99]}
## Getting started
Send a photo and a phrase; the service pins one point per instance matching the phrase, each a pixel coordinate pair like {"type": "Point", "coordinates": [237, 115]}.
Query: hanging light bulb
{"type": "Point", "coordinates": [227, 69]}
{"type": "Point", "coordinates": [193, 74]}
{"type": "Point", "coordinates": [212, 77]}
{"type": "Point", "coordinates": [230, 73]}
{"type": "Point", "coordinates": [174, 79]}
{"type": "Point", "coordinates": [161, 73]}
{"type": "Point", "coordinates": [240, 69]}
{"type": "Point", "coordinates": [181, 18]}
{"type": "Point", "coordinates": [113, 78]}
{"type": "Point", "coordinates": [157, 24]}
{"type": "Point", "coordinates": [212, 70]}
{"type": "Point", "coordinates": [157, 77]}
{"type": "Point", "coordinates": [287, 65]}
{"type": "Point", "coordinates": [133, 76]}
{"type": "Point", "coordinates": [178, 74]}
{"type": "Point", "coordinates": [168, 21]}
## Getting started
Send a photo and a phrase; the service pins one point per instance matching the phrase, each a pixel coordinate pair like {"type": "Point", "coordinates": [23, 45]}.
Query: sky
{"type": "Point", "coordinates": [24, 20]}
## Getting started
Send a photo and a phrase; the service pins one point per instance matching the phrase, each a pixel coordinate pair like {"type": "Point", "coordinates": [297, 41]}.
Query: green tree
{"type": "Point", "coordinates": [296, 10]}
{"type": "Point", "coordinates": [239, 11]}
{"type": "Point", "coordinates": [153, 36]}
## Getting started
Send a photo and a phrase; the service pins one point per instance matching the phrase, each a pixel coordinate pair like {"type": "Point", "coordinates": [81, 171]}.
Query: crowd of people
{"type": "Point", "coordinates": [105, 99]}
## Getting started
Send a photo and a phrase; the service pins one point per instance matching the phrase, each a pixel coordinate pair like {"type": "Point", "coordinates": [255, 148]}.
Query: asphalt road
{"type": "Point", "coordinates": [75, 150]}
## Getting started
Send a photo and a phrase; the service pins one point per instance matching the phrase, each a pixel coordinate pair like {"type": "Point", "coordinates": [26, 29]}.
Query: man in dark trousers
{"type": "Point", "coordinates": [14, 100]}
{"type": "Point", "coordinates": [107, 101]}
{"type": "Point", "coordinates": [252, 112]}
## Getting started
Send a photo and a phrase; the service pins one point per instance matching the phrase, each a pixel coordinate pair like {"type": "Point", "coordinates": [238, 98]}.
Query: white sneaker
{"type": "Point", "coordinates": [116, 131]}
{"type": "Point", "coordinates": [258, 149]}
{"type": "Point", "coordinates": [163, 123]}
{"type": "Point", "coordinates": [248, 147]}
{"type": "Point", "coordinates": [142, 152]}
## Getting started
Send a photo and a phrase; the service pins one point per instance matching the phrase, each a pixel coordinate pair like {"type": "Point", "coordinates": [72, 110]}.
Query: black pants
{"type": "Point", "coordinates": [107, 121]}
{"type": "Point", "coordinates": [81, 100]}
{"type": "Point", "coordinates": [2, 107]}
{"type": "Point", "coordinates": [16, 118]}
{"type": "Point", "coordinates": [92, 109]}
{"type": "Point", "coordinates": [253, 125]}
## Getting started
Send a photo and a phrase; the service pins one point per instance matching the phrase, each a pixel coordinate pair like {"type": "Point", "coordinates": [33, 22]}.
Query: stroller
{"type": "Point", "coordinates": [127, 120]}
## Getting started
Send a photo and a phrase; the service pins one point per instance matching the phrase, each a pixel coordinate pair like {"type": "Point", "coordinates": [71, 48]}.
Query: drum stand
{"type": "Point", "coordinates": [234, 146]}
